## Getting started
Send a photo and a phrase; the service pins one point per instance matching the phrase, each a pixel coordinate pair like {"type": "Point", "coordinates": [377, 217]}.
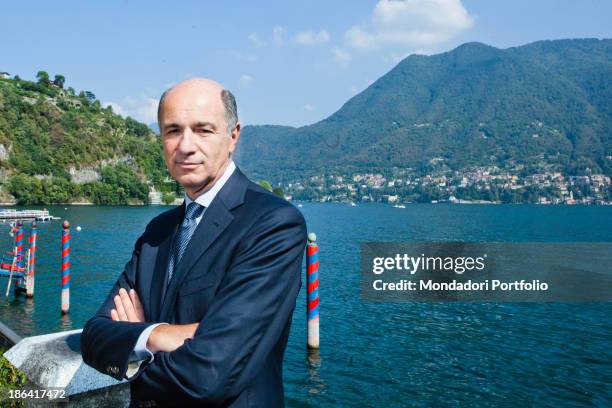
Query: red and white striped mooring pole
{"type": "Point", "coordinates": [312, 294]}
{"type": "Point", "coordinates": [31, 261]}
{"type": "Point", "coordinates": [65, 267]}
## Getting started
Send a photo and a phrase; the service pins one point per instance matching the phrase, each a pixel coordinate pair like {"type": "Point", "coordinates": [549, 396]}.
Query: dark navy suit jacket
{"type": "Point", "coordinates": [239, 277]}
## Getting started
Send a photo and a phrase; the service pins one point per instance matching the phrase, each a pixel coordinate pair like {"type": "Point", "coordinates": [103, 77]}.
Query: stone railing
{"type": "Point", "coordinates": [53, 361]}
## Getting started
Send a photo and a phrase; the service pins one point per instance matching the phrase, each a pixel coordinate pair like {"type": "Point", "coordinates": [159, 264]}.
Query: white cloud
{"type": "Point", "coordinates": [117, 108]}
{"type": "Point", "coordinates": [143, 107]}
{"type": "Point", "coordinates": [359, 38]}
{"type": "Point", "coordinates": [278, 34]}
{"type": "Point", "coordinates": [341, 56]}
{"type": "Point", "coordinates": [255, 41]}
{"type": "Point", "coordinates": [312, 38]}
{"type": "Point", "coordinates": [308, 107]}
{"type": "Point", "coordinates": [411, 23]}
{"type": "Point", "coordinates": [246, 79]}
{"type": "Point", "coordinates": [130, 101]}
{"type": "Point", "coordinates": [147, 111]}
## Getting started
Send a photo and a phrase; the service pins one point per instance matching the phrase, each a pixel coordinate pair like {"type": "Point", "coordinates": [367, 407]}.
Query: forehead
{"type": "Point", "coordinates": [192, 104]}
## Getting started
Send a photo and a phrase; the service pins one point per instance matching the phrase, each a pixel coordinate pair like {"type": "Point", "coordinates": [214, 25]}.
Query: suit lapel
{"type": "Point", "coordinates": [158, 285]}
{"type": "Point", "coordinates": [216, 219]}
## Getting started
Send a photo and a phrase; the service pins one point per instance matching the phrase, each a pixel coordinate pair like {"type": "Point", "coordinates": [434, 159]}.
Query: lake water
{"type": "Point", "coordinates": [372, 353]}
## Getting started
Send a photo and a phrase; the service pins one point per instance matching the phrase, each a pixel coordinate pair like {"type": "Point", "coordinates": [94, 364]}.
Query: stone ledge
{"type": "Point", "coordinates": [54, 360]}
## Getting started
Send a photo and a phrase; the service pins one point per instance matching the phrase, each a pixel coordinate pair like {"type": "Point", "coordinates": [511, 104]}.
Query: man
{"type": "Point", "coordinates": [220, 273]}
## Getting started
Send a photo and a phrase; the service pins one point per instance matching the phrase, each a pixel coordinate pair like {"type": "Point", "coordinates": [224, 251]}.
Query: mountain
{"type": "Point", "coordinates": [545, 104]}
{"type": "Point", "coordinates": [60, 147]}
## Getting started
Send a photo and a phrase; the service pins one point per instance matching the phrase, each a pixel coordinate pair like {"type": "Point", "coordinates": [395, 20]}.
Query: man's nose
{"type": "Point", "coordinates": [186, 144]}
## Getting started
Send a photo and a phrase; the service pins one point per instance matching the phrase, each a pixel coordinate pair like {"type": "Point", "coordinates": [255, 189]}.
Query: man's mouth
{"type": "Point", "coordinates": [188, 165]}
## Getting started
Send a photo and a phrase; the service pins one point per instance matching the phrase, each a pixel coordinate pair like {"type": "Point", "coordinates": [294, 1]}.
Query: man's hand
{"type": "Point", "coordinates": [169, 337]}
{"type": "Point", "coordinates": [165, 337]}
{"type": "Point", "coordinates": [127, 307]}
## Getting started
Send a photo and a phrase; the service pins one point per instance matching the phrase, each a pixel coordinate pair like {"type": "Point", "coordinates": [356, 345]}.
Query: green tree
{"type": "Point", "coordinates": [43, 77]}
{"type": "Point", "coordinates": [59, 80]}
{"type": "Point", "coordinates": [26, 189]}
{"type": "Point", "coordinates": [91, 97]}
{"type": "Point", "coordinates": [168, 198]}
{"type": "Point", "coordinates": [137, 128]}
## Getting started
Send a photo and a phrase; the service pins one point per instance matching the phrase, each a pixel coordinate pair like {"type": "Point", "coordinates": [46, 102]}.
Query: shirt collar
{"type": "Point", "coordinates": [206, 198]}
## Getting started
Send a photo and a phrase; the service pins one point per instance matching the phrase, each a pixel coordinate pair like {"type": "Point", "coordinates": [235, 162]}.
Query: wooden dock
{"type": "Point", "coordinates": [25, 215]}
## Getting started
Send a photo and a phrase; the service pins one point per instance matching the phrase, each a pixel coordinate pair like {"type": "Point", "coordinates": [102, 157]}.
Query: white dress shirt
{"type": "Point", "coordinates": [140, 350]}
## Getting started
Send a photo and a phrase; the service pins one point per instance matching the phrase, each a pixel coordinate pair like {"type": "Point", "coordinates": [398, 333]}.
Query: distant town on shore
{"type": "Point", "coordinates": [477, 185]}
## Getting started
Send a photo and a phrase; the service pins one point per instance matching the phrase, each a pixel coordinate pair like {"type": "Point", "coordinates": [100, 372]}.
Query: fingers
{"type": "Point", "coordinates": [120, 310]}
{"type": "Point", "coordinates": [128, 306]}
{"type": "Point", "coordinates": [134, 298]}
{"type": "Point", "coordinates": [138, 309]}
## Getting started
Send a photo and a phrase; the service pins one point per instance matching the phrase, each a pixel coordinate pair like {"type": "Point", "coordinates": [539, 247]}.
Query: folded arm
{"type": "Point", "coordinates": [107, 344]}
{"type": "Point", "coordinates": [118, 332]}
{"type": "Point", "coordinates": [250, 311]}
{"type": "Point", "coordinates": [168, 338]}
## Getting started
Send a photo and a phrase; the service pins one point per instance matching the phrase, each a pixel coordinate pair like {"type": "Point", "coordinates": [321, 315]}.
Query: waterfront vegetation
{"type": "Point", "coordinates": [57, 146]}
{"type": "Point", "coordinates": [118, 185]}
{"type": "Point", "coordinates": [10, 378]}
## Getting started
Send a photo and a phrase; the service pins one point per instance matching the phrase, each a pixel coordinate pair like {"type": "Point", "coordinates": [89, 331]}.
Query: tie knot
{"type": "Point", "coordinates": [193, 211]}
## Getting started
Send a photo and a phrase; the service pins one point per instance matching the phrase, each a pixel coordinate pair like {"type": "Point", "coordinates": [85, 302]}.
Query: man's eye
{"type": "Point", "coordinates": [202, 130]}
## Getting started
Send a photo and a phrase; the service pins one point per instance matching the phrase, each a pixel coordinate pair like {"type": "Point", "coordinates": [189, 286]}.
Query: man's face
{"type": "Point", "coordinates": [195, 137]}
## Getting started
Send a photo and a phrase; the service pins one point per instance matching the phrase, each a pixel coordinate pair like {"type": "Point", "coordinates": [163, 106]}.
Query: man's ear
{"type": "Point", "coordinates": [235, 135]}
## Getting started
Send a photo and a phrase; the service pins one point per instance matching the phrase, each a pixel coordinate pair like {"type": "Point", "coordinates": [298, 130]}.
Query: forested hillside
{"type": "Point", "coordinates": [60, 146]}
{"type": "Point", "coordinates": [540, 107]}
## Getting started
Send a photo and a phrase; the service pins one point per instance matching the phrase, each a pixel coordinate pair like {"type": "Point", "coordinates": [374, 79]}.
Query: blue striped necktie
{"type": "Point", "coordinates": [188, 226]}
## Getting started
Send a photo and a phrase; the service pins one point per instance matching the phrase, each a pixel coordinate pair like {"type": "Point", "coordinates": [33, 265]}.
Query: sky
{"type": "Point", "coordinates": [287, 62]}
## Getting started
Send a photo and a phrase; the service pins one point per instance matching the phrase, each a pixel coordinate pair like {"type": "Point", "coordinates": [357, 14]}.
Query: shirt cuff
{"type": "Point", "coordinates": [140, 350]}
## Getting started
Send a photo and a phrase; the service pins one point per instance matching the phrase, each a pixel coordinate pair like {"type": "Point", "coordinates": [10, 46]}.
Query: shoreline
{"type": "Point", "coordinates": [81, 204]}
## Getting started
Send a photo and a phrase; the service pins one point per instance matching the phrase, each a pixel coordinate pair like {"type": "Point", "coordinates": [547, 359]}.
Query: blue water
{"type": "Point", "coordinates": [372, 353]}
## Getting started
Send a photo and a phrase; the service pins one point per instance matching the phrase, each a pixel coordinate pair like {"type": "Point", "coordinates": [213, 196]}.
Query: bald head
{"type": "Point", "coordinates": [199, 131]}
{"type": "Point", "coordinates": [202, 87]}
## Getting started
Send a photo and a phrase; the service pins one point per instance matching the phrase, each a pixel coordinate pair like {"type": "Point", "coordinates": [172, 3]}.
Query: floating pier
{"type": "Point", "coordinates": [10, 215]}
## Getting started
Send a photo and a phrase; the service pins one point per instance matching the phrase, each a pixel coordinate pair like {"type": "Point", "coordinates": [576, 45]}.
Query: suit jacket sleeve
{"type": "Point", "coordinates": [106, 345]}
{"type": "Point", "coordinates": [251, 309]}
